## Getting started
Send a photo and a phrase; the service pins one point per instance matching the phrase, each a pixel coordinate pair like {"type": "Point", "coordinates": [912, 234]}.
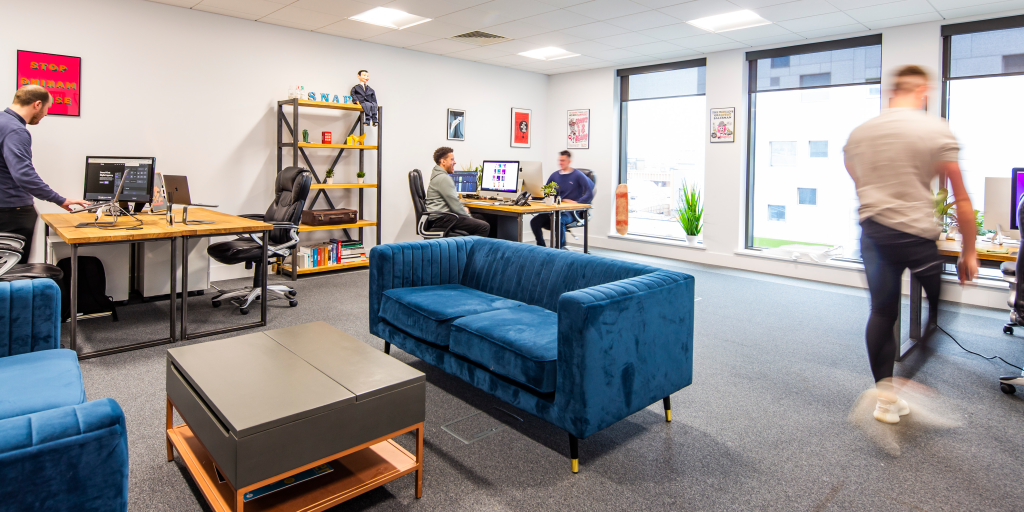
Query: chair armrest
{"type": "Point", "coordinates": [408, 264]}
{"type": "Point", "coordinates": [622, 346]}
{"type": "Point", "coordinates": [31, 318]}
{"type": "Point", "coordinates": [253, 216]}
{"type": "Point", "coordinates": [427, 215]}
{"type": "Point", "coordinates": [70, 458]}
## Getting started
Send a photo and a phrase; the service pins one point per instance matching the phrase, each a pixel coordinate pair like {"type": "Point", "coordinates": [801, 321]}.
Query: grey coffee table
{"type": "Point", "coordinates": [270, 406]}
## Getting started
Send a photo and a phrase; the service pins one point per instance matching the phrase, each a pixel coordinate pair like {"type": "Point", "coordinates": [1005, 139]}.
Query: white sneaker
{"type": "Point", "coordinates": [887, 412]}
{"type": "Point", "coordinates": [902, 408]}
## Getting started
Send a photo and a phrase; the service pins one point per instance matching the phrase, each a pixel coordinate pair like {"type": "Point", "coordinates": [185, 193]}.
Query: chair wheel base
{"type": "Point", "coordinates": [244, 311]}
{"type": "Point", "coordinates": [216, 303]}
{"type": "Point", "coordinates": [293, 303]}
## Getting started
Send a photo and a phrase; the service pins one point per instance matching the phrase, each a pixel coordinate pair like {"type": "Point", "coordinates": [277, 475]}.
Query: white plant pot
{"type": "Point", "coordinates": [359, 180]}
{"type": "Point", "coordinates": [329, 181]}
{"type": "Point", "coordinates": [549, 200]}
{"type": "Point", "coordinates": [693, 240]}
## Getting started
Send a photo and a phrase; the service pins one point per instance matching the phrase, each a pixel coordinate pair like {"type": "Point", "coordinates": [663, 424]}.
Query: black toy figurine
{"type": "Point", "coordinates": [364, 96]}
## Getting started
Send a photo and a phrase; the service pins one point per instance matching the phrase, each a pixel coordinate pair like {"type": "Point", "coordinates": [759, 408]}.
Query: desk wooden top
{"type": "Point", "coordinates": [535, 207]}
{"type": "Point", "coordinates": [153, 226]}
{"type": "Point", "coordinates": [952, 248]}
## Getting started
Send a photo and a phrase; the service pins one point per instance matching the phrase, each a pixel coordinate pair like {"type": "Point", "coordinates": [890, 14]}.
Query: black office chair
{"type": "Point", "coordinates": [1016, 302]}
{"type": "Point", "coordinates": [419, 205]}
{"type": "Point", "coordinates": [12, 250]}
{"type": "Point", "coordinates": [580, 216]}
{"type": "Point", "coordinates": [284, 214]}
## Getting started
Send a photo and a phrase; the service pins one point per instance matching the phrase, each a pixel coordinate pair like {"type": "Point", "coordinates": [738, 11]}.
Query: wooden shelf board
{"type": "Point", "coordinates": [343, 185]}
{"type": "Point", "coordinates": [356, 224]}
{"type": "Point", "coordinates": [324, 104]}
{"type": "Point", "coordinates": [334, 146]}
{"type": "Point", "coordinates": [353, 475]}
{"type": "Point", "coordinates": [326, 268]}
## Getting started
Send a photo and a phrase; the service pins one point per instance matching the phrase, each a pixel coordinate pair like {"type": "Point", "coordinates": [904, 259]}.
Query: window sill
{"type": "Point", "coordinates": [838, 264]}
{"type": "Point", "coordinates": [658, 241]}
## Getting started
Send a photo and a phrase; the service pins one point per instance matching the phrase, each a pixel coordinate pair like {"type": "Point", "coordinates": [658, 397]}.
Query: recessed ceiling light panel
{"type": "Point", "coordinates": [549, 53]}
{"type": "Point", "coordinates": [390, 18]}
{"type": "Point", "coordinates": [729, 21]}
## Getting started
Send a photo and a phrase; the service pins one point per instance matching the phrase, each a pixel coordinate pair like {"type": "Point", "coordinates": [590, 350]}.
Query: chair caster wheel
{"type": "Point", "coordinates": [244, 311]}
{"type": "Point", "coordinates": [293, 303]}
{"type": "Point", "coordinates": [216, 303]}
{"type": "Point", "coordinates": [1007, 329]}
{"type": "Point", "coordinates": [292, 293]}
{"type": "Point", "coordinates": [1009, 389]}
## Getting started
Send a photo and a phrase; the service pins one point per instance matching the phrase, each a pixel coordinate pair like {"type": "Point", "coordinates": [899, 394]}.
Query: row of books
{"type": "Point", "coordinates": [331, 252]}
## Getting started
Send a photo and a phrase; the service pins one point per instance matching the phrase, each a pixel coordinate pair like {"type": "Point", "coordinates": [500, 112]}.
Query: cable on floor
{"type": "Point", "coordinates": [975, 353]}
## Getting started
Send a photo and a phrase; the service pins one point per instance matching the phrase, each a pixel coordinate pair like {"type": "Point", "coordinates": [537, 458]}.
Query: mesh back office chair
{"type": "Point", "coordinates": [285, 213]}
{"type": "Point", "coordinates": [419, 205]}
{"type": "Point", "coordinates": [13, 250]}
{"type": "Point", "coordinates": [1011, 269]}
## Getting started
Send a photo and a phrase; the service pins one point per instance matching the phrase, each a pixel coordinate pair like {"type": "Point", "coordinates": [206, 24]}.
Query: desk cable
{"type": "Point", "coordinates": [975, 353]}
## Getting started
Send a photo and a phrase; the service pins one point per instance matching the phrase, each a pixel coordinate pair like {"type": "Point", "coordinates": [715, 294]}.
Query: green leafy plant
{"type": "Point", "coordinates": [360, 174]}
{"type": "Point", "coordinates": [329, 173]}
{"type": "Point", "coordinates": [945, 209]}
{"type": "Point", "coordinates": [691, 210]}
{"type": "Point", "coordinates": [550, 189]}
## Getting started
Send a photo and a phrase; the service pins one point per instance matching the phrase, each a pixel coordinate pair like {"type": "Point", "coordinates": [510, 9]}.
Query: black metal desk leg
{"type": "Point", "coordinates": [174, 283]}
{"type": "Point", "coordinates": [263, 286]}
{"type": "Point", "coordinates": [519, 227]}
{"type": "Point", "coordinates": [184, 287]}
{"type": "Point", "coordinates": [73, 344]}
{"type": "Point", "coordinates": [903, 348]}
{"type": "Point", "coordinates": [295, 263]}
{"type": "Point", "coordinates": [586, 233]}
{"type": "Point", "coordinates": [554, 230]}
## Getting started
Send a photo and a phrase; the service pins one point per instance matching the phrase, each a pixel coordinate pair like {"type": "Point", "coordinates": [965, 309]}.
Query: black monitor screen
{"type": "Point", "coordinates": [103, 175]}
{"type": "Point", "coordinates": [465, 181]}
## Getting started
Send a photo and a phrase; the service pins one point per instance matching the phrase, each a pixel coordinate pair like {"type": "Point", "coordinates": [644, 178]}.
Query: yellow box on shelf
{"type": "Point", "coordinates": [357, 224]}
{"type": "Point", "coordinates": [334, 146]}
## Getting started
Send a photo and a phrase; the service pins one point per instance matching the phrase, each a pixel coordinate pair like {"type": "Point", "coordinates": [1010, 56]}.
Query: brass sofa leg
{"type": "Point", "coordinates": [668, 408]}
{"type": "Point", "coordinates": [574, 453]}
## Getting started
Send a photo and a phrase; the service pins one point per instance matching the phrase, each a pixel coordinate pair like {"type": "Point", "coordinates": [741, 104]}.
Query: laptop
{"type": "Point", "coordinates": [176, 190]}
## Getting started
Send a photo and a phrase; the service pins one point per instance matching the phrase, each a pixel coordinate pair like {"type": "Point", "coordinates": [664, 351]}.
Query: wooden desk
{"type": "Point", "coordinates": [949, 250]}
{"type": "Point", "coordinates": [154, 227]}
{"type": "Point", "coordinates": [510, 212]}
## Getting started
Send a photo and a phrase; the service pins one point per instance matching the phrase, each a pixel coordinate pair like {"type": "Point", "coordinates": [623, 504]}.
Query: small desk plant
{"type": "Point", "coordinates": [305, 135]}
{"type": "Point", "coordinates": [550, 190]}
{"type": "Point", "coordinates": [329, 177]}
{"type": "Point", "coordinates": [691, 213]}
{"type": "Point", "coordinates": [360, 176]}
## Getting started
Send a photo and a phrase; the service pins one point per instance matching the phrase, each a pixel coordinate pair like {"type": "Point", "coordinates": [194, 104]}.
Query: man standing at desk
{"type": "Point", "coordinates": [19, 181]}
{"type": "Point", "coordinates": [442, 197]}
{"type": "Point", "coordinates": [573, 187]}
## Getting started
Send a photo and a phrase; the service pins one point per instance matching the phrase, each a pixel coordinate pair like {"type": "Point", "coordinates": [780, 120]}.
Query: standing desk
{"type": "Point", "coordinates": [510, 219]}
{"type": "Point", "coordinates": [154, 227]}
{"type": "Point", "coordinates": [949, 251]}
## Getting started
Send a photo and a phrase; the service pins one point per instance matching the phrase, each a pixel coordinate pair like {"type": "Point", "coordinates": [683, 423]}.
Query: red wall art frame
{"type": "Point", "coordinates": [59, 74]}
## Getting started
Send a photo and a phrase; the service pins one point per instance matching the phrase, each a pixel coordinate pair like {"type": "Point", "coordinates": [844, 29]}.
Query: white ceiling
{"type": "Point", "coordinates": [604, 32]}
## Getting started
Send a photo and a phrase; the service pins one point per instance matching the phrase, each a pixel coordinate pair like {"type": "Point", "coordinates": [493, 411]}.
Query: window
{"type": "Point", "coordinates": [815, 101]}
{"type": "Point", "coordinates": [662, 136]}
{"type": "Point", "coordinates": [780, 62]}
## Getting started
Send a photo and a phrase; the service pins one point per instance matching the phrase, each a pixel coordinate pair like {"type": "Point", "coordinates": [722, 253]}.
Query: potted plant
{"type": "Point", "coordinates": [329, 177]}
{"type": "Point", "coordinates": [359, 176]}
{"type": "Point", "coordinates": [945, 213]}
{"type": "Point", "coordinates": [690, 213]}
{"type": "Point", "coordinates": [305, 135]}
{"type": "Point", "coordinates": [550, 190]}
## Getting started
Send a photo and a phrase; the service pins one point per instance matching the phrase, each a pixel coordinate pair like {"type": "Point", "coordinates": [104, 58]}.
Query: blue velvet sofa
{"type": "Point", "coordinates": [578, 340]}
{"type": "Point", "coordinates": [57, 451]}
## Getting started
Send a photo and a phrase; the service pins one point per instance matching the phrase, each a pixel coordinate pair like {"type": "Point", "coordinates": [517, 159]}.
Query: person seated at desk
{"type": "Point", "coordinates": [573, 187]}
{"type": "Point", "coordinates": [442, 197]}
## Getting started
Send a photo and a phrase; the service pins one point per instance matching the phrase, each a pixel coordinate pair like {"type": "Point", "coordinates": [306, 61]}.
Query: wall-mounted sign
{"type": "Point", "coordinates": [723, 124]}
{"type": "Point", "coordinates": [579, 129]}
{"type": "Point", "coordinates": [59, 74]}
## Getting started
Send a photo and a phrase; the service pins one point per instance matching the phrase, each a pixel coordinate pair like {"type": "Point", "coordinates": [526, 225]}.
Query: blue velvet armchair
{"type": "Point", "coordinates": [577, 340]}
{"type": "Point", "coordinates": [57, 451]}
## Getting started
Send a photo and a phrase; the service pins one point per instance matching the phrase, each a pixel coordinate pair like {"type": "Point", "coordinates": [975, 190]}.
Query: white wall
{"type": "Point", "coordinates": [198, 91]}
{"type": "Point", "coordinates": [726, 165]}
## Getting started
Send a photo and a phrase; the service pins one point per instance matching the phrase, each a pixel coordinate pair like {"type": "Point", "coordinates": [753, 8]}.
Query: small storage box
{"type": "Point", "coordinates": [329, 217]}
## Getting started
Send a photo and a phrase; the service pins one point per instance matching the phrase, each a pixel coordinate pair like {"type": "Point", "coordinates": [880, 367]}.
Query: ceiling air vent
{"type": "Point", "coordinates": [479, 38]}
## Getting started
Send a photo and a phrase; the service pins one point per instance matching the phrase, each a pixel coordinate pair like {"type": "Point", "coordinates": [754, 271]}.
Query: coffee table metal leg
{"type": "Point", "coordinates": [73, 343]}
{"type": "Point", "coordinates": [170, 416]}
{"type": "Point", "coordinates": [419, 462]}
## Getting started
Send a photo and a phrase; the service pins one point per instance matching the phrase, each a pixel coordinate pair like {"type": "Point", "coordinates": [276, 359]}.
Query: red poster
{"type": "Point", "coordinates": [59, 74]}
{"type": "Point", "coordinates": [520, 128]}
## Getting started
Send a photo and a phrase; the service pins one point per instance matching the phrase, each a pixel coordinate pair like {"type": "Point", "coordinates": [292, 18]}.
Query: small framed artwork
{"type": "Point", "coordinates": [521, 119]}
{"type": "Point", "coordinates": [723, 124]}
{"type": "Point", "coordinates": [456, 124]}
{"type": "Point", "coordinates": [58, 74]}
{"type": "Point", "coordinates": [579, 129]}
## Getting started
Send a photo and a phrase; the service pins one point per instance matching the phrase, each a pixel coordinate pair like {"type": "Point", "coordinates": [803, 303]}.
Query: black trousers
{"type": "Point", "coordinates": [370, 112]}
{"type": "Point", "coordinates": [20, 221]}
{"type": "Point", "coordinates": [887, 253]}
{"type": "Point", "coordinates": [473, 225]}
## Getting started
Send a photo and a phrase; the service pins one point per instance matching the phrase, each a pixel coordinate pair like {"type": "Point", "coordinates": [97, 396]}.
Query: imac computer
{"type": "Point", "coordinates": [465, 181]}
{"type": "Point", "coordinates": [1016, 191]}
{"type": "Point", "coordinates": [533, 177]}
{"type": "Point", "coordinates": [1000, 213]}
{"type": "Point", "coordinates": [103, 176]}
{"type": "Point", "coordinates": [501, 178]}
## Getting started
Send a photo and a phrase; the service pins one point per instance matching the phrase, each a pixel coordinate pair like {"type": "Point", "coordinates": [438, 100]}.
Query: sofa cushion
{"type": "Point", "coordinates": [39, 381]}
{"type": "Point", "coordinates": [427, 312]}
{"type": "Point", "coordinates": [519, 343]}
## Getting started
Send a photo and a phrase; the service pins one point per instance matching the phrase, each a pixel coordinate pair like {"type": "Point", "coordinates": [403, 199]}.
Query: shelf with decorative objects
{"type": "Point", "coordinates": [353, 142]}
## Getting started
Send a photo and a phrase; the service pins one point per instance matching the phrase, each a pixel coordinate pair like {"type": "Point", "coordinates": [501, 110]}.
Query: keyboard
{"type": "Point", "coordinates": [491, 203]}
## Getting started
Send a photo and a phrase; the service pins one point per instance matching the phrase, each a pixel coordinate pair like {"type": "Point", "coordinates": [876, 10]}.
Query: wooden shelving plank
{"type": "Point", "coordinates": [334, 146]}
{"type": "Point", "coordinates": [356, 224]}
{"type": "Point", "coordinates": [324, 104]}
{"type": "Point", "coordinates": [343, 185]}
{"type": "Point", "coordinates": [325, 268]}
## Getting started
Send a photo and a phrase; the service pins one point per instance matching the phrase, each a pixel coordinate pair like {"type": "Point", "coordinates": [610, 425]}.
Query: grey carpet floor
{"type": "Point", "coordinates": [778, 367]}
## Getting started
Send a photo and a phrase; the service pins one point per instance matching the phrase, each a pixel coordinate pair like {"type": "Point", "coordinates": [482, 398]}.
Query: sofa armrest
{"type": "Point", "coordinates": [29, 316]}
{"type": "Point", "coordinates": [409, 264]}
{"type": "Point", "coordinates": [70, 458]}
{"type": "Point", "coordinates": [622, 346]}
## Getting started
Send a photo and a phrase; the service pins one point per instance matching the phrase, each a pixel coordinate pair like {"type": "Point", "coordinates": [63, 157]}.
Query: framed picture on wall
{"type": "Point", "coordinates": [579, 129]}
{"type": "Point", "coordinates": [59, 74]}
{"type": "Point", "coordinates": [456, 124]}
{"type": "Point", "coordinates": [723, 124]}
{"type": "Point", "coordinates": [521, 127]}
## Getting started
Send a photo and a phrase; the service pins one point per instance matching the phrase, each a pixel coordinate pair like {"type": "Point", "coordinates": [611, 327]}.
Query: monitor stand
{"type": "Point", "coordinates": [114, 211]}
{"type": "Point", "coordinates": [185, 221]}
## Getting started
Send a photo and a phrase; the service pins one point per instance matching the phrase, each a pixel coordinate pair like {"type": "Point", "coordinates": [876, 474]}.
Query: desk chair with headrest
{"type": "Point", "coordinates": [285, 213]}
{"type": "Point", "coordinates": [13, 250]}
{"type": "Point", "coordinates": [1012, 269]}
{"type": "Point", "coordinates": [419, 205]}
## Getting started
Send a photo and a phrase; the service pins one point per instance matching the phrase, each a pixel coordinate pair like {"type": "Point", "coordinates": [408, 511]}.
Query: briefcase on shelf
{"type": "Point", "coordinates": [329, 217]}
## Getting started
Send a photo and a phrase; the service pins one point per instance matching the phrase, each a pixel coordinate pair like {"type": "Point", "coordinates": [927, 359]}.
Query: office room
{"type": "Point", "coordinates": [602, 255]}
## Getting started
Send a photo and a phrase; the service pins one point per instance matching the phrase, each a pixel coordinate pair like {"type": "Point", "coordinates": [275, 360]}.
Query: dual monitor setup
{"type": "Point", "coordinates": [502, 179]}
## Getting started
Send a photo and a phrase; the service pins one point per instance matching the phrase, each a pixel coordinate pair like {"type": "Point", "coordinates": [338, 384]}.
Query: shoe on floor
{"type": "Point", "coordinates": [887, 412]}
{"type": "Point", "coordinates": [902, 408]}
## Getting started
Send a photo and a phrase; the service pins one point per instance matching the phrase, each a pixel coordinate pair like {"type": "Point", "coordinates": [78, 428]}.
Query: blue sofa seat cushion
{"type": "Point", "coordinates": [427, 312]}
{"type": "Point", "coordinates": [519, 343]}
{"type": "Point", "coordinates": [39, 381]}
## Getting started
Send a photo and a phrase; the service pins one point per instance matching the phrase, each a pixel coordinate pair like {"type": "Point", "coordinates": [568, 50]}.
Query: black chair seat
{"type": "Point", "coordinates": [32, 271]}
{"type": "Point", "coordinates": [234, 252]}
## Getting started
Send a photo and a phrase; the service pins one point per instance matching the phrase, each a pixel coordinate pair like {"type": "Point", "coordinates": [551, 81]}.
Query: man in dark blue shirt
{"type": "Point", "coordinates": [19, 181]}
{"type": "Point", "coordinates": [573, 187]}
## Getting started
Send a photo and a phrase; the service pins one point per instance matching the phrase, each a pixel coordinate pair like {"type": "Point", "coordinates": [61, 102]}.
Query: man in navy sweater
{"type": "Point", "coordinates": [573, 187]}
{"type": "Point", "coordinates": [19, 181]}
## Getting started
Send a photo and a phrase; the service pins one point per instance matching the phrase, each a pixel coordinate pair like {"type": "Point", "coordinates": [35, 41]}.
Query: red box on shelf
{"type": "Point", "coordinates": [325, 137]}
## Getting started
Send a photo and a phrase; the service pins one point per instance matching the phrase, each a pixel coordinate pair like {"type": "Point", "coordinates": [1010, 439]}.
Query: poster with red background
{"type": "Point", "coordinates": [59, 74]}
{"type": "Point", "coordinates": [520, 128]}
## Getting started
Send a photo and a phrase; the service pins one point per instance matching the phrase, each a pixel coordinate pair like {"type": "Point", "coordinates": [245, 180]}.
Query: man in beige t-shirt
{"type": "Point", "coordinates": [893, 159]}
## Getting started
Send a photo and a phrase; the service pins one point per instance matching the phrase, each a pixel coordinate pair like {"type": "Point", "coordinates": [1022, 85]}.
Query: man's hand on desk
{"type": "Point", "coordinates": [70, 202]}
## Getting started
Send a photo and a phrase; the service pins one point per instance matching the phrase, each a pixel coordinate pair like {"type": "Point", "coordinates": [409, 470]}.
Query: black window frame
{"type": "Point", "coordinates": [773, 53]}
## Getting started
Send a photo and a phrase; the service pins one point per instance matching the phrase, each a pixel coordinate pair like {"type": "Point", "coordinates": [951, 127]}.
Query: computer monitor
{"type": "Point", "coordinates": [465, 181]}
{"type": "Point", "coordinates": [501, 176]}
{"type": "Point", "coordinates": [533, 176]}
{"type": "Point", "coordinates": [997, 208]}
{"type": "Point", "coordinates": [103, 175]}
{"type": "Point", "coordinates": [1016, 191]}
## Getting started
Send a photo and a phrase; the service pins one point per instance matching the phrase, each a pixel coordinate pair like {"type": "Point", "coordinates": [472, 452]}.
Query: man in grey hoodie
{"type": "Point", "coordinates": [442, 197]}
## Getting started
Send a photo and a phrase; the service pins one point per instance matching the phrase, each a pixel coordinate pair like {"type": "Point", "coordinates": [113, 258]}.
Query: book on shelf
{"type": "Point", "coordinates": [331, 252]}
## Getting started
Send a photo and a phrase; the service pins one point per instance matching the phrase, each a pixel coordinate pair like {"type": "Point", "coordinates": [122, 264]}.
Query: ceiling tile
{"type": "Point", "coordinates": [510, 60]}
{"type": "Point", "coordinates": [548, 64]}
{"type": "Point", "coordinates": [496, 13]}
{"type": "Point", "coordinates": [287, 23]}
{"type": "Point", "coordinates": [516, 30]}
{"type": "Point", "coordinates": [437, 29]}
{"type": "Point", "coordinates": [552, 39]}
{"type": "Point", "coordinates": [632, 60]}
{"type": "Point", "coordinates": [595, 30]}
{"type": "Point", "coordinates": [442, 46]}
{"type": "Point", "coordinates": [353, 29]}
{"type": "Point", "coordinates": [700, 9]}
{"type": "Point", "coordinates": [721, 47]}
{"type": "Point", "coordinates": [652, 48]}
{"type": "Point", "coordinates": [474, 18]}
{"type": "Point", "coordinates": [941, 5]}
{"type": "Point", "coordinates": [757, 4]}
{"type": "Point", "coordinates": [561, 4]}
{"type": "Point", "coordinates": [903, 20]}
{"type": "Point", "coordinates": [179, 3]}
{"type": "Point", "coordinates": [343, 8]}
{"type": "Point", "coordinates": [558, 20]}
{"type": "Point", "coordinates": [891, 10]}
{"type": "Point", "coordinates": [974, 10]}
{"type": "Point", "coordinates": [644, 20]}
{"type": "Point", "coordinates": [702, 40]}
{"type": "Point", "coordinates": [762, 31]}
{"type": "Point", "coordinates": [227, 12]}
{"type": "Point", "coordinates": [627, 39]}
{"type": "Point", "coordinates": [784, 38]}
{"type": "Point", "coordinates": [258, 8]}
{"type": "Point", "coordinates": [401, 38]}
{"type": "Point", "coordinates": [481, 53]}
{"type": "Point", "coordinates": [674, 55]}
{"type": "Point", "coordinates": [658, 4]}
{"type": "Point", "coordinates": [432, 8]}
{"type": "Point", "coordinates": [578, 60]}
{"type": "Point", "coordinates": [608, 9]}
{"type": "Point", "coordinates": [587, 47]}
{"type": "Point", "coordinates": [832, 19]}
{"type": "Point", "coordinates": [514, 46]}
{"type": "Point", "coordinates": [304, 17]}
{"type": "Point", "coordinates": [846, 5]}
{"type": "Point", "coordinates": [674, 31]}
{"type": "Point", "coordinates": [613, 54]}
{"type": "Point", "coordinates": [793, 10]}
{"type": "Point", "coordinates": [833, 31]}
